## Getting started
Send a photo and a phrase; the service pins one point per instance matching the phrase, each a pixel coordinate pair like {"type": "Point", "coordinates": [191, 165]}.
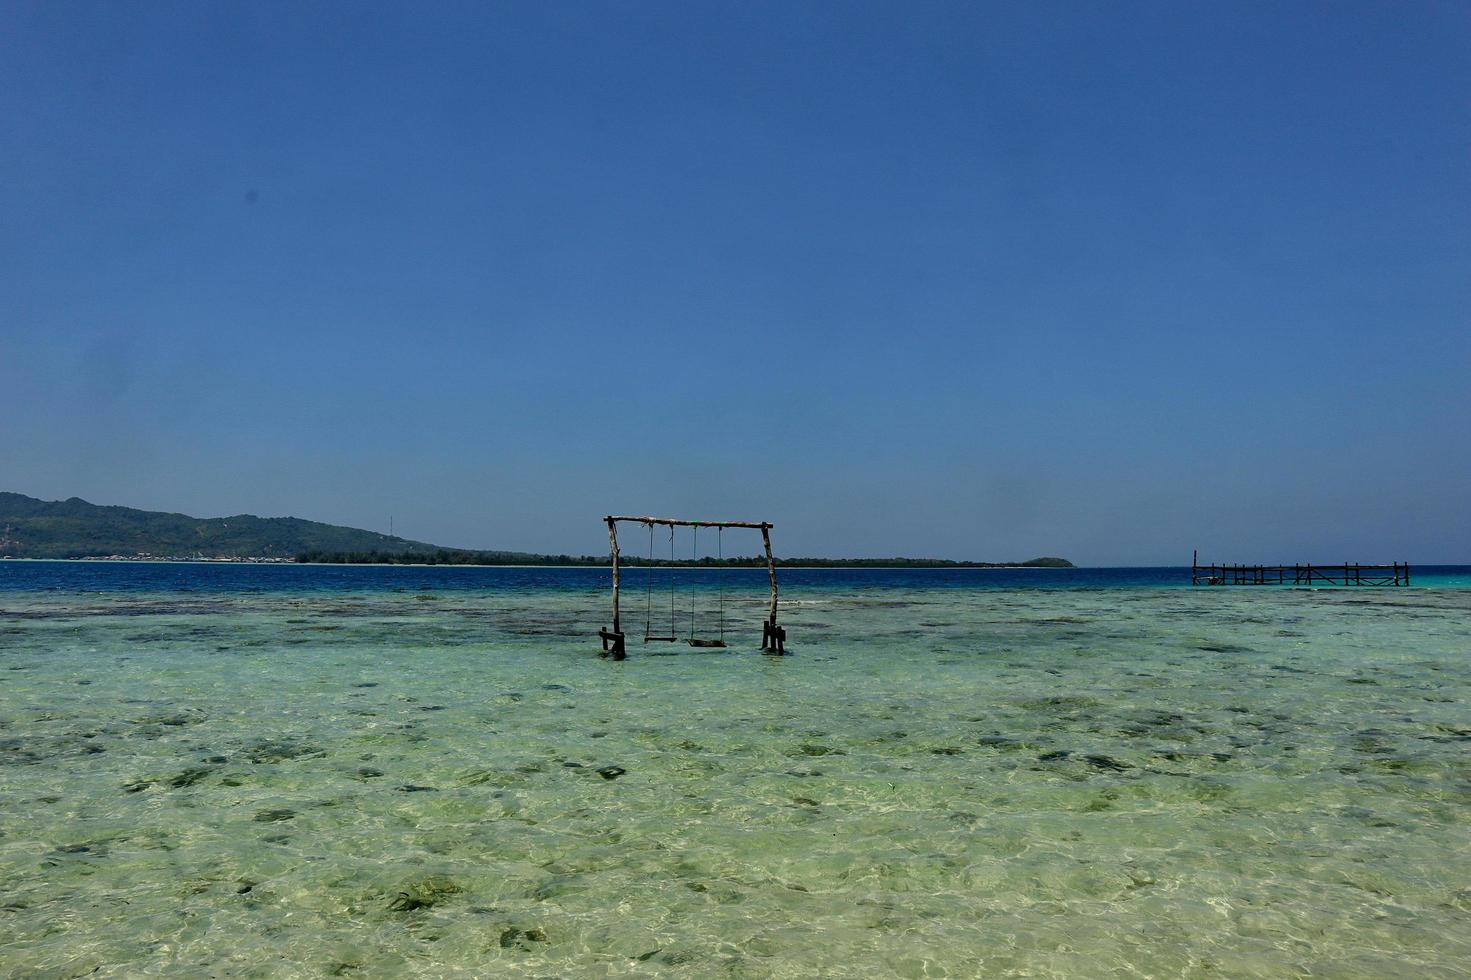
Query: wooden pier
{"type": "Point", "coordinates": [1396, 573]}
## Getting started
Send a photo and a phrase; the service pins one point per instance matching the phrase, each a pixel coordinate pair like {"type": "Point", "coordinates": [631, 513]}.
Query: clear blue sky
{"type": "Point", "coordinates": [1108, 281]}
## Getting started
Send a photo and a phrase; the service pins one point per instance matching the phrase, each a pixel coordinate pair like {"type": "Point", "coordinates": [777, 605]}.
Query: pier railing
{"type": "Point", "coordinates": [1395, 573]}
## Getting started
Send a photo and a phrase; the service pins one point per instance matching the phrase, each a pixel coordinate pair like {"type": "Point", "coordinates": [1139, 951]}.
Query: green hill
{"type": "Point", "coordinates": [74, 528]}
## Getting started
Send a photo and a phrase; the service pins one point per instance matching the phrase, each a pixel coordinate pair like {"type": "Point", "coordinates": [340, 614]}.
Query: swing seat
{"type": "Point", "coordinates": [660, 639]}
{"type": "Point", "coordinates": [706, 643]}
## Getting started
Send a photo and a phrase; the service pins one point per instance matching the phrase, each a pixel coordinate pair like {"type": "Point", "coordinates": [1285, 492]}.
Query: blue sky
{"type": "Point", "coordinates": [966, 280]}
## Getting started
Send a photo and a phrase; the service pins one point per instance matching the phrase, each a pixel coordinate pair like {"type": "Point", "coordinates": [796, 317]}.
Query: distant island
{"type": "Point", "coordinates": [75, 529]}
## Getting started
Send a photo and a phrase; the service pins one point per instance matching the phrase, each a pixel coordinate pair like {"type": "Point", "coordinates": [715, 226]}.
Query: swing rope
{"type": "Point", "coordinates": [694, 637]}
{"type": "Point", "coordinates": [649, 592]}
{"type": "Point", "coordinates": [694, 556]}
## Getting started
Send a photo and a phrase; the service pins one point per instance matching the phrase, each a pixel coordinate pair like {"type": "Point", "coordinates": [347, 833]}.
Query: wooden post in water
{"type": "Point", "coordinates": [613, 640]}
{"type": "Point", "coordinates": [770, 570]}
{"type": "Point", "coordinates": [773, 637]}
{"type": "Point", "coordinates": [613, 542]}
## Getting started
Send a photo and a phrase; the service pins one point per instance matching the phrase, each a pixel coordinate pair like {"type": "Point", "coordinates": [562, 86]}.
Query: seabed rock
{"type": "Point", "coordinates": [611, 772]}
{"type": "Point", "coordinates": [269, 751]}
{"type": "Point", "coordinates": [424, 893]}
{"type": "Point", "coordinates": [179, 719]}
{"type": "Point", "coordinates": [275, 815]}
{"type": "Point", "coordinates": [189, 777]}
{"type": "Point", "coordinates": [514, 938]}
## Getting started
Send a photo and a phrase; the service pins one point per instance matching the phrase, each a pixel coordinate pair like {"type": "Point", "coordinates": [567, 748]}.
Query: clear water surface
{"type": "Point", "coordinates": [222, 770]}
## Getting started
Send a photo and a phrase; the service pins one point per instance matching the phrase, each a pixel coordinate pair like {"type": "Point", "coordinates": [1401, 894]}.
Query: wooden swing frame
{"type": "Point", "coordinates": [773, 637]}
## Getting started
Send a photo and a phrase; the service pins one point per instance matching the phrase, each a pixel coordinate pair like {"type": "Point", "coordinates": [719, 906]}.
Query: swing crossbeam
{"type": "Point", "coordinates": [674, 522]}
{"type": "Point", "coordinates": [773, 637]}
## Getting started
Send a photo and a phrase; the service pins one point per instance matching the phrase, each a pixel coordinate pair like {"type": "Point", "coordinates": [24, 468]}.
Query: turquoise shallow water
{"type": "Point", "coordinates": [942, 781]}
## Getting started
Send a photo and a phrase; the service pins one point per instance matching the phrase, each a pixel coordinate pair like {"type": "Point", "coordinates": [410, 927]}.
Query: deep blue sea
{"type": "Point", "coordinates": [378, 771]}
{"type": "Point", "coordinates": [223, 577]}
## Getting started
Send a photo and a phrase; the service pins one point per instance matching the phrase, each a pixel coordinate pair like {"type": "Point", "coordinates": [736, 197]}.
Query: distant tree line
{"type": "Point", "coordinates": [443, 556]}
{"type": "Point", "coordinates": [74, 528]}
{"type": "Point", "coordinates": [446, 556]}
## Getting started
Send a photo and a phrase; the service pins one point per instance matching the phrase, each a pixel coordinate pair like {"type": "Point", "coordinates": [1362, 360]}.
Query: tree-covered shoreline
{"type": "Point", "coordinates": [454, 557]}
{"type": "Point", "coordinates": [77, 529]}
